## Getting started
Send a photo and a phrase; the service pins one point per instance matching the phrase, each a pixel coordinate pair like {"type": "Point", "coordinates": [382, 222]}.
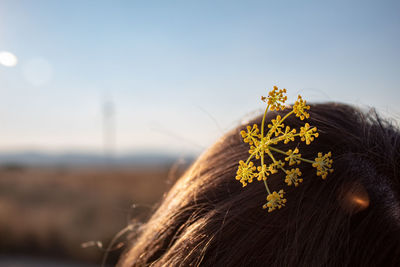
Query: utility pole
{"type": "Point", "coordinates": [109, 130]}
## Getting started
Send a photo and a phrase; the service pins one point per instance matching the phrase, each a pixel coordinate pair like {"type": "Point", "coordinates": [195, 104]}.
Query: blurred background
{"type": "Point", "coordinates": [103, 104]}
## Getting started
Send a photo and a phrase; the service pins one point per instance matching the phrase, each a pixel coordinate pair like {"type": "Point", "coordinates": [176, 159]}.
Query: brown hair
{"type": "Point", "coordinates": [350, 219]}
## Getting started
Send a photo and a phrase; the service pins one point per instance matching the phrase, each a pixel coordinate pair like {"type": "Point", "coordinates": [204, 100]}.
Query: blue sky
{"type": "Point", "coordinates": [181, 73]}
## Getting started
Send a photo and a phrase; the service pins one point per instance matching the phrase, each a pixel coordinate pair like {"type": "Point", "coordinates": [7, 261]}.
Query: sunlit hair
{"type": "Point", "coordinates": [350, 219]}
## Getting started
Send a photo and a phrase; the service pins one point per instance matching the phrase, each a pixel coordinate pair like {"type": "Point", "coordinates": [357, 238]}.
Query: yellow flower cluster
{"type": "Point", "coordinates": [323, 164]}
{"type": "Point", "coordinates": [275, 201]}
{"type": "Point", "coordinates": [251, 134]}
{"type": "Point", "coordinates": [293, 156]}
{"type": "Point", "coordinates": [276, 99]}
{"type": "Point", "coordinates": [263, 144]}
{"type": "Point", "coordinates": [300, 108]}
{"type": "Point", "coordinates": [292, 177]}
{"type": "Point", "coordinates": [307, 133]}
{"type": "Point", "coordinates": [245, 173]}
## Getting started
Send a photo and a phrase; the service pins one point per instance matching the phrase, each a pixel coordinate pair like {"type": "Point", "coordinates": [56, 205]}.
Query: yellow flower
{"type": "Point", "coordinates": [307, 133]}
{"type": "Point", "coordinates": [288, 135]}
{"type": "Point", "coordinates": [262, 146]}
{"type": "Point", "coordinates": [275, 201]}
{"type": "Point", "coordinates": [293, 156]}
{"type": "Point", "coordinates": [276, 99]}
{"type": "Point", "coordinates": [251, 134]}
{"type": "Point", "coordinates": [292, 177]}
{"type": "Point", "coordinates": [323, 164]}
{"type": "Point", "coordinates": [276, 126]}
{"type": "Point", "coordinates": [274, 166]}
{"type": "Point", "coordinates": [259, 147]}
{"type": "Point", "coordinates": [262, 173]}
{"type": "Point", "coordinates": [245, 172]}
{"type": "Point", "coordinates": [300, 108]}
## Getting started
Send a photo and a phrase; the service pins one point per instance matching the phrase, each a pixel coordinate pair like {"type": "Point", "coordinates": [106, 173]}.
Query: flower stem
{"type": "Point", "coordinates": [266, 186]}
{"type": "Point", "coordinates": [281, 138]}
{"type": "Point", "coordinates": [287, 115]}
{"type": "Point", "coordinates": [276, 150]}
{"type": "Point", "coordinates": [262, 136]}
{"type": "Point", "coordinates": [271, 156]}
{"type": "Point", "coordinates": [249, 158]}
{"type": "Point", "coordinates": [263, 121]}
{"type": "Point", "coordinates": [307, 160]}
{"type": "Point", "coordinates": [281, 121]}
{"type": "Point", "coordinates": [283, 152]}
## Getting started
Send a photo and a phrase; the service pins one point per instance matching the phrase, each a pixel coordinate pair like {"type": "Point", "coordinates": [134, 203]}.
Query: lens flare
{"type": "Point", "coordinates": [8, 59]}
{"type": "Point", "coordinates": [353, 197]}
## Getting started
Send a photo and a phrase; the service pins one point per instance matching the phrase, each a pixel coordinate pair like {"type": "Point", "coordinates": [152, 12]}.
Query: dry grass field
{"type": "Point", "coordinates": [51, 211]}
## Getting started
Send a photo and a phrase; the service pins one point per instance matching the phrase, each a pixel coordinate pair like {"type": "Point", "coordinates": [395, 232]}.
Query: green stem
{"type": "Point", "coordinates": [281, 121]}
{"type": "Point", "coordinates": [276, 150]}
{"type": "Point", "coordinates": [287, 115]}
{"type": "Point", "coordinates": [262, 136]}
{"type": "Point", "coordinates": [254, 140]}
{"type": "Point", "coordinates": [271, 156]}
{"type": "Point", "coordinates": [262, 159]}
{"type": "Point", "coordinates": [263, 121]}
{"type": "Point", "coordinates": [249, 158]}
{"type": "Point", "coordinates": [280, 138]}
{"type": "Point", "coordinates": [266, 186]}
{"type": "Point", "coordinates": [307, 160]}
{"type": "Point", "coordinates": [283, 152]}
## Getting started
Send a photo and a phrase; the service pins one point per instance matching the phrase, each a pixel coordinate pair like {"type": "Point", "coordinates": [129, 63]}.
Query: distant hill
{"type": "Point", "coordinates": [32, 158]}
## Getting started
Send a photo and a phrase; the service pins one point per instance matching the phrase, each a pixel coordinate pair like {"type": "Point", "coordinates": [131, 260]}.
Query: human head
{"type": "Point", "coordinates": [350, 219]}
